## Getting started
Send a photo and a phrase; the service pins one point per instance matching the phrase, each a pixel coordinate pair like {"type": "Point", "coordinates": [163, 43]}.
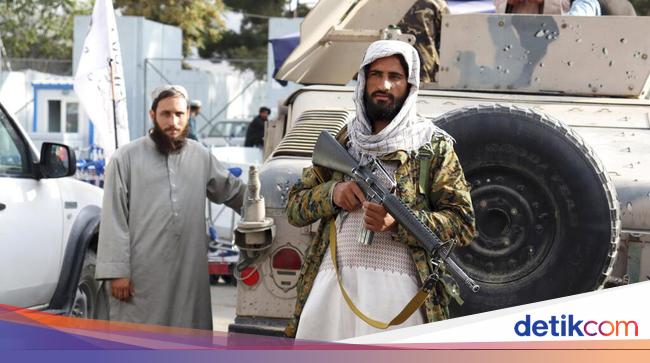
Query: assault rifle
{"type": "Point", "coordinates": [330, 154]}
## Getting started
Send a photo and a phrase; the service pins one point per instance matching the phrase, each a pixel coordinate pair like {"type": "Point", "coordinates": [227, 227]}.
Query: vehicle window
{"type": "Point", "coordinates": [13, 151]}
{"type": "Point", "coordinates": [240, 130]}
{"type": "Point", "coordinates": [54, 115]}
{"type": "Point", "coordinates": [229, 129]}
{"type": "Point", "coordinates": [218, 130]}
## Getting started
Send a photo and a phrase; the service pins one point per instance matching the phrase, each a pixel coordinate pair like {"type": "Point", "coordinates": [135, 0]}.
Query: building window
{"type": "Point", "coordinates": [72, 117]}
{"type": "Point", "coordinates": [54, 115]}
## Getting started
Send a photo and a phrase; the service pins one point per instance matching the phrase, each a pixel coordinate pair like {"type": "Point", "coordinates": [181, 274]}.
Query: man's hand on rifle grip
{"type": "Point", "coordinates": [348, 196]}
{"type": "Point", "coordinates": [377, 219]}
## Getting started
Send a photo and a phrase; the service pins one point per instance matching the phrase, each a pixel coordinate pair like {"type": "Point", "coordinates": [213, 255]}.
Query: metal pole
{"type": "Point", "coordinates": [110, 66]}
{"type": "Point", "coordinates": [144, 122]}
{"type": "Point", "coordinates": [4, 58]}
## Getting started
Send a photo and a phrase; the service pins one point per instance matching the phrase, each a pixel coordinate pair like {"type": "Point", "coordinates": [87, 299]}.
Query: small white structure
{"type": "Point", "coordinates": [58, 116]}
{"type": "Point", "coordinates": [46, 106]}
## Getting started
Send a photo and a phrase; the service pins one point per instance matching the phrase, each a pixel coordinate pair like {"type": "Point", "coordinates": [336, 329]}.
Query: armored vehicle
{"type": "Point", "coordinates": [551, 119]}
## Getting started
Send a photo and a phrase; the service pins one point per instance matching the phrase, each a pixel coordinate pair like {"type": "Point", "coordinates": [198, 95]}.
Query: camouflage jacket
{"type": "Point", "coordinates": [452, 215]}
{"type": "Point", "coordinates": [424, 20]}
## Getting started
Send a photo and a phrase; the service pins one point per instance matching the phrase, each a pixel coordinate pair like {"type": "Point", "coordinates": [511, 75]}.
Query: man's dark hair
{"type": "Point", "coordinates": [402, 61]}
{"type": "Point", "coordinates": [264, 108]}
{"type": "Point", "coordinates": [165, 94]}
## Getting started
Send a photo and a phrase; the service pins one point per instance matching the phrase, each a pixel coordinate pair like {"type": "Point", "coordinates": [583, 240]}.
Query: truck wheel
{"type": "Point", "coordinates": [89, 301]}
{"type": "Point", "coordinates": [546, 211]}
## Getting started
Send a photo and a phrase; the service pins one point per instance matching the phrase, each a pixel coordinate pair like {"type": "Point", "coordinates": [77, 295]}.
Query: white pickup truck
{"type": "Point", "coordinates": [48, 228]}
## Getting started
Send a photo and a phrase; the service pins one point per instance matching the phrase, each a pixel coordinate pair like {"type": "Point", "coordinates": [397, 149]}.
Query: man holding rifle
{"type": "Point", "coordinates": [350, 277]}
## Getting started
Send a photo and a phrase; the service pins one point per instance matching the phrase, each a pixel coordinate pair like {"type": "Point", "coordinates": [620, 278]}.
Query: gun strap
{"type": "Point", "coordinates": [406, 312]}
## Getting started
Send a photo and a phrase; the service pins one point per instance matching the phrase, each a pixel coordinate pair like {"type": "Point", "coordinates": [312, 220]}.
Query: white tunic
{"type": "Point", "coordinates": [153, 230]}
{"type": "Point", "coordinates": [380, 278]}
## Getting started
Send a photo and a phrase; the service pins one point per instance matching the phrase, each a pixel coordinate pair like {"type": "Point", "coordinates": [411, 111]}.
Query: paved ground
{"type": "Point", "coordinates": [224, 301]}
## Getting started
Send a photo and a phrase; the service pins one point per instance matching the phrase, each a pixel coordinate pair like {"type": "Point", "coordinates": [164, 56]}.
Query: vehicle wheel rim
{"type": "Point", "coordinates": [82, 307]}
{"type": "Point", "coordinates": [517, 224]}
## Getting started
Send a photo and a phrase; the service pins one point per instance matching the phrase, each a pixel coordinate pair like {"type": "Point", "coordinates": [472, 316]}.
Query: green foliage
{"type": "Point", "coordinates": [642, 7]}
{"type": "Point", "coordinates": [39, 28]}
{"type": "Point", "coordinates": [200, 20]}
{"type": "Point", "coordinates": [303, 10]}
{"type": "Point", "coordinates": [249, 46]}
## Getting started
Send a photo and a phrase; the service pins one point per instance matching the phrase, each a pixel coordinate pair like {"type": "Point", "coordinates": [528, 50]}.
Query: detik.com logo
{"type": "Point", "coordinates": [568, 325]}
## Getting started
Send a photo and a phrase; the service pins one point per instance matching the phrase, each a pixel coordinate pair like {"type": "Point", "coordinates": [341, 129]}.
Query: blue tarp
{"type": "Point", "coordinates": [282, 48]}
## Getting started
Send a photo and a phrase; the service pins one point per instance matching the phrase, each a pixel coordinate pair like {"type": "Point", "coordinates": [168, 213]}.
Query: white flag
{"type": "Point", "coordinates": [97, 85]}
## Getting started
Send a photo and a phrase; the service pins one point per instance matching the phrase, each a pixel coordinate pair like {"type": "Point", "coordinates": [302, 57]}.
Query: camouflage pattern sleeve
{"type": "Point", "coordinates": [452, 215]}
{"type": "Point", "coordinates": [310, 199]}
{"type": "Point", "coordinates": [424, 20]}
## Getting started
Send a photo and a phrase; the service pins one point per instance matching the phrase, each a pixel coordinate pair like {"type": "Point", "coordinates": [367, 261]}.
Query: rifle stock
{"type": "Point", "coordinates": [330, 154]}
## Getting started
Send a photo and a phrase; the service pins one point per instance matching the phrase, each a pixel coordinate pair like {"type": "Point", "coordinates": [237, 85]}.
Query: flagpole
{"type": "Point", "coordinates": [110, 66]}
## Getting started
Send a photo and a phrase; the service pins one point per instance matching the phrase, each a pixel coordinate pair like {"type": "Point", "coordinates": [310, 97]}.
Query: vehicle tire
{"type": "Point", "coordinates": [546, 211]}
{"type": "Point", "coordinates": [90, 301]}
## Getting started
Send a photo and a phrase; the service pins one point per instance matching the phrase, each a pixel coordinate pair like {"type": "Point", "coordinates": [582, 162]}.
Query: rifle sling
{"type": "Point", "coordinates": [406, 312]}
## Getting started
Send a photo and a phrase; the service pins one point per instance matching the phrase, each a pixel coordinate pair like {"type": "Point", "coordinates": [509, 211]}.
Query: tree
{"type": "Point", "coordinates": [642, 7]}
{"type": "Point", "coordinates": [39, 28]}
{"type": "Point", "coordinates": [248, 48]}
{"type": "Point", "coordinates": [200, 20]}
{"type": "Point", "coordinates": [249, 44]}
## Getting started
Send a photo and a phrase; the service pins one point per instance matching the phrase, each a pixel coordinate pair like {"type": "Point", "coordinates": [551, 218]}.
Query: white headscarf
{"type": "Point", "coordinates": [407, 131]}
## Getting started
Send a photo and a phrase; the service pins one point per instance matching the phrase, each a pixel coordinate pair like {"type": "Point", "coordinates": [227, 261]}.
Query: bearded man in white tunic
{"type": "Point", "coordinates": [152, 240]}
{"type": "Point", "coordinates": [382, 277]}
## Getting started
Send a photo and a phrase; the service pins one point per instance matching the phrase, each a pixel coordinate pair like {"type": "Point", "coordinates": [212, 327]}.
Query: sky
{"type": "Point", "coordinates": [308, 2]}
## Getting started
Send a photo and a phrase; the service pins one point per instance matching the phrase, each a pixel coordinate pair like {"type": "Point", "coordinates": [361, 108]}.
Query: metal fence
{"type": "Point", "coordinates": [59, 67]}
{"type": "Point", "coordinates": [225, 91]}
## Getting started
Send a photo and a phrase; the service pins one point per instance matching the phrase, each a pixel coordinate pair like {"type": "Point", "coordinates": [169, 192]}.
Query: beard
{"type": "Point", "coordinates": [164, 143]}
{"type": "Point", "coordinates": [382, 111]}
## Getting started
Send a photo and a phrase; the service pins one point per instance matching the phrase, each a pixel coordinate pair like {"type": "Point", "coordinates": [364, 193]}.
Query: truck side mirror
{"type": "Point", "coordinates": [57, 161]}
